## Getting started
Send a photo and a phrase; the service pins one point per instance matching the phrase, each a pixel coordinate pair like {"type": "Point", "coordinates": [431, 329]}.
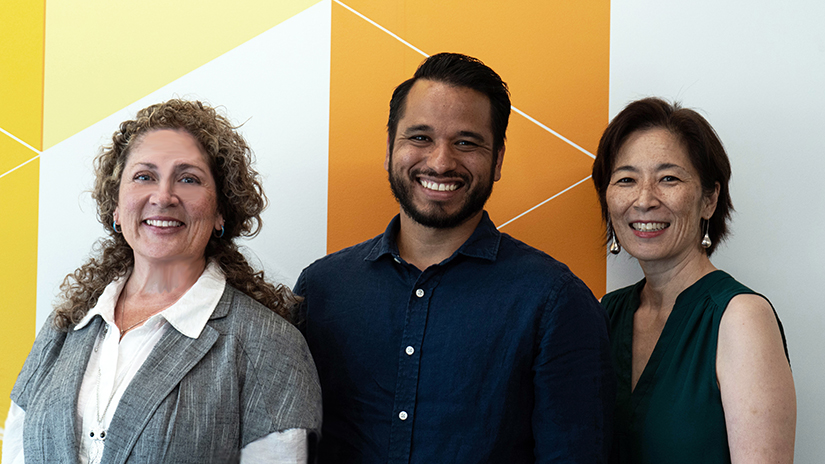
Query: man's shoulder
{"type": "Point", "coordinates": [345, 257]}
{"type": "Point", "coordinates": [517, 253]}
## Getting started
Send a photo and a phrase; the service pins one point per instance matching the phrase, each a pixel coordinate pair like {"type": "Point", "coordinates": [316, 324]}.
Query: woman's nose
{"type": "Point", "coordinates": [164, 196]}
{"type": "Point", "coordinates": [648, 197]}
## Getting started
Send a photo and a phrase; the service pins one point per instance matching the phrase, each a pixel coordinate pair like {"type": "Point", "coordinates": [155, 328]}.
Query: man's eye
{"type": "Point", "coordinates": [419, 138]}
{"type": "Point", "coordinates": [466, 143]}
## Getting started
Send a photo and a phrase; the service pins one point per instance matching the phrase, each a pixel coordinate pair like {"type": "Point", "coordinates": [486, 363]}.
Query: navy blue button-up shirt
{"type": "Point", "coordinates": [497, 354]}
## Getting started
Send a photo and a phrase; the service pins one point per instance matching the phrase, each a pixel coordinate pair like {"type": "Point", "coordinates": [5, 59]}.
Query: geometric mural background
{"type": "Point", "coordinates": [310, 83]}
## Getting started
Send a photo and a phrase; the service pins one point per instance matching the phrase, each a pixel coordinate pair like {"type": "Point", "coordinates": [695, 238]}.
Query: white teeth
{"type": "Point", "coordinates": [439, 187]}
{"type": "Point", "coordinates": [156, 223]}
{"type": "Point", "coordinates": [649, 226]}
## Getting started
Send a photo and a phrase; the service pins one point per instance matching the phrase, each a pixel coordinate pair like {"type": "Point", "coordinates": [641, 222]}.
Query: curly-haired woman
{"type": "Point", "coordinates": [166, 345]}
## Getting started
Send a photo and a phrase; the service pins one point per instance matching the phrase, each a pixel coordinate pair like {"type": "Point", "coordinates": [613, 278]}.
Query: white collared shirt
{"type": "Point", "coordinates": [114, 363]}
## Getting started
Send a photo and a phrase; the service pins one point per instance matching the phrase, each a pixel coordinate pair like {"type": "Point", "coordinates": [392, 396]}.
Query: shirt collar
{"type": "Point", "coordinates": [188, 315]}
{"type": "Point", "coordinates": [483, 243]}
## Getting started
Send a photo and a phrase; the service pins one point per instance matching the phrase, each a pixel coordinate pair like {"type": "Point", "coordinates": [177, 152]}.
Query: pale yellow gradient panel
{"type": "Point", "coordinates": [18, 272]}
{"type": "Point", "coordinates": [21, 74]}
{"type": "Point", "coordinates": [102, 55]}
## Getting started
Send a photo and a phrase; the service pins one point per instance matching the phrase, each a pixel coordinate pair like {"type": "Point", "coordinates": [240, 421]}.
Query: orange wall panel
{"type": "Point", "coordinates": [554, 58]}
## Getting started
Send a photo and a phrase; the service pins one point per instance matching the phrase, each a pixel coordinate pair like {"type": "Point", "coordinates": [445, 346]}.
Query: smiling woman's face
{"type": "Point", "coordinates": [655, 198]}
{"type": "Point", "coordinates": [167, 203]}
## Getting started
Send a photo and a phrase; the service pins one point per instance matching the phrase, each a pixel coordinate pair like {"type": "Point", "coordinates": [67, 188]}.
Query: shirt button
{"type": "Point", "coordinates": [410, 350]}
{"type": "Point", "coordinates": [419, 293]}
{"type": "Point", "coordinates": [402, 415]}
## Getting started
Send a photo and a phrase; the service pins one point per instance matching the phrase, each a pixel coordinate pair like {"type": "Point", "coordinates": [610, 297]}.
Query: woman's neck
{"type": "Point", "coordinates": [664, 281]}
{"type": "Point", "coordinates": [154, 281]}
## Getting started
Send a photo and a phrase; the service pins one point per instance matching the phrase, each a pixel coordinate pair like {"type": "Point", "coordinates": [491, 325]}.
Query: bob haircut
{"type": "Point", "coordinates": [701, 142]}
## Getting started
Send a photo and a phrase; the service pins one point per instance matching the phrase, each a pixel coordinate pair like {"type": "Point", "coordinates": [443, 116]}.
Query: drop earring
{"type": "Point", "coordinates": [706, 243]}
{"type": "Point", "coordinates": [615, 248]}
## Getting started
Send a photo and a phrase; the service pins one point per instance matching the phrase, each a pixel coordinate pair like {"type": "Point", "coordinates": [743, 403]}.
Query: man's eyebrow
{"type": "Point", "coordinates": [418, 128]}
{"type": "Point", "coordinates": [472, 135]}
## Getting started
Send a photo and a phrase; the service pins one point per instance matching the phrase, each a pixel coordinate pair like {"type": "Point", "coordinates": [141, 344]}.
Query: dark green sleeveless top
{"type": "Point", "coordinates": [675, 413]}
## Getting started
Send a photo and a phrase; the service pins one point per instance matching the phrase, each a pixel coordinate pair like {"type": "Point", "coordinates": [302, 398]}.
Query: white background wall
{"type": "Point", "coordinates": [756, 71]}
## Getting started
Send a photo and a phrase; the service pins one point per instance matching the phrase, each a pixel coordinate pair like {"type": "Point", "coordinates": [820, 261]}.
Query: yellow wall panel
{"type": "Point", "coordinates": [21, 74]}
{"type": "Point", "coordinates": [18, 271]}
{"type": "Point", "coordinates": [102, 55]}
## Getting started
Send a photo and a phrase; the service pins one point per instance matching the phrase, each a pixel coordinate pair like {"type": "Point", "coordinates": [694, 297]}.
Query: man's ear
{"type": "Point", "coordinates": [499, 162]}
{"type": "Point", "coordinates": [387, 157]}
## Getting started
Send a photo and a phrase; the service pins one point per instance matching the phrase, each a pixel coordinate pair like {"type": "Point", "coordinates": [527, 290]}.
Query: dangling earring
{"type": "Point", "coordinates": [706, 243]}
{"type": "Point", "coordinates": [114, 227]}
{"type": "Point", "coordinates": [221, 235]}
{"type": "Point", "coordinates": [615, 248]}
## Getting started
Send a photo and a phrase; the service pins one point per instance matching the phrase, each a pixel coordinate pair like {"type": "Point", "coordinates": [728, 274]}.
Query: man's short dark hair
{"type": "Point", "coordinates": [460, 71]}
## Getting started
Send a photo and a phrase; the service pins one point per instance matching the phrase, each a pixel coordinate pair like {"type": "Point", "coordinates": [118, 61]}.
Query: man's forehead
{"type": "Point", "coordinates": [430, 105]}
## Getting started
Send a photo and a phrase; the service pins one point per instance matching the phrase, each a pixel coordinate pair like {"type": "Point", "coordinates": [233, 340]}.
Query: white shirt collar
{"type": "Point", "coordinates": [188, 315]}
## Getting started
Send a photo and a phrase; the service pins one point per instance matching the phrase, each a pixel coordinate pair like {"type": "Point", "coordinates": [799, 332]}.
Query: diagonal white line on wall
{"type": "Point", "coordinates": [382, 28]}
{"type": "Point", "coordinates": [529, 118]}
{"type": "Point", "coordinates": [543, 202]}
{"type": "Point", "coordinates": [561, 137]}
{"type": "Point", "coordinates": [25, 145]}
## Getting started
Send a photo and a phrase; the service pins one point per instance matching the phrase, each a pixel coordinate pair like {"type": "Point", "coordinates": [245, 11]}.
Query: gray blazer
{"type": "Point", "coordinates": [193, 401]}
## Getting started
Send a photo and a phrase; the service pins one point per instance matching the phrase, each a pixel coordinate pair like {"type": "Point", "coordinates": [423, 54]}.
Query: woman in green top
{"type": "Point", "coordinates": [703, 375]}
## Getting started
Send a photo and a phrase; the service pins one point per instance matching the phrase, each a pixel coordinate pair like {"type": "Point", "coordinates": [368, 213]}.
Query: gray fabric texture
{"type": "Point", "coordinates": [193, 401]}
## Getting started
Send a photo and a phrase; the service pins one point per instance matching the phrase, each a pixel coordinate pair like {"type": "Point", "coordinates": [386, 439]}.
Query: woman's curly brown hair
{"type": "Point", "coordinates": [239, 195]}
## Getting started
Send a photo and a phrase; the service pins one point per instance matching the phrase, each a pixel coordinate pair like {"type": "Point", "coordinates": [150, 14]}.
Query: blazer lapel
{"type": "Point", "coordinates": [171, 359]}
{"type": "Point", "coordinates": [65, 385]}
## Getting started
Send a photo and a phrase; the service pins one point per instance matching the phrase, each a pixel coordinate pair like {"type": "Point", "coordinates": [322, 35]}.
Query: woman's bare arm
{"type": "Point", "coordinates": [756, 383]}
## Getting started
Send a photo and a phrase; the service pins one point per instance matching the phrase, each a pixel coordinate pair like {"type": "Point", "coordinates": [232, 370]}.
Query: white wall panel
{"type": "Point", "coordinates": [756, 71]}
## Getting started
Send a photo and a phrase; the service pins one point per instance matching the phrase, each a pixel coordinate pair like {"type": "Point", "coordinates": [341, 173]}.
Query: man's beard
{"type": "Point", "coordinates": [436, 217]}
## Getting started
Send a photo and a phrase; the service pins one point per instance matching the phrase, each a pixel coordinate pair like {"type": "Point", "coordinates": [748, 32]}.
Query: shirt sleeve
{"type": "Point", "coordinates": [287, 447]}
{"type": "Point", "coordinates": [575, 387]}
{"type": "Point", "coordinates": [13, 435]}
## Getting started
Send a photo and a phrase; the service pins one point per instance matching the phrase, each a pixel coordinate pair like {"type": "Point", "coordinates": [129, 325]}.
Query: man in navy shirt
{"type": "Point", "coordinates": [443, 340]}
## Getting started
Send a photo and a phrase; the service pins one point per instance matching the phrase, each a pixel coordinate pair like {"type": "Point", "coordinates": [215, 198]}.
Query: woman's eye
{"type": "Point", "coordinates": [190, 180]}
{"type": "Point", "coordinates": [624, 180]}
{"type": "Point", "coordinates": [670, 179]}
{"type": "Point", "coordinates": [143, 177]}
